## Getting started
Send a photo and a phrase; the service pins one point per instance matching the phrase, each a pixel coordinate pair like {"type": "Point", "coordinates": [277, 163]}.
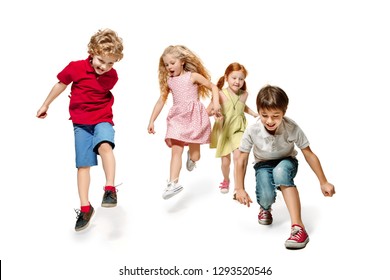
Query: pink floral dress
{"type": "Point", "coordinates": [187, 120]}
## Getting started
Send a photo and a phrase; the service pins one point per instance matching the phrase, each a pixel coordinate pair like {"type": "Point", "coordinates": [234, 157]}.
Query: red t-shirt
{"type": "Point", "coordinates": [90, 98]}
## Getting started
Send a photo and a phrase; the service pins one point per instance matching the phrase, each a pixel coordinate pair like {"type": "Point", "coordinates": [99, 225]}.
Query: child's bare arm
{"type": "Point", "coordinates": [314, 163]}
{"type": "Point", "coordinates": [156, 111]}
{"type": "Point", "coordinates": [57, 89]}
{"type": "Point", "coordinates": [250, 112]}
{"type": "Point", "coordinates": [240, 194]}
{"type": "Point", "coordinates": [214, 89]}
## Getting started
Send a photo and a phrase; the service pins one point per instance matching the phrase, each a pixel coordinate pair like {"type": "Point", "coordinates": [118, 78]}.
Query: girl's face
{"type": "Point", "coordinates": [102, 64]}
{"type": "Point", "coordinates": [235, 81]}
{"type": "Point", "coordinates": [173, 65]}
{"type": "Point", "coordinates": [271, 119]}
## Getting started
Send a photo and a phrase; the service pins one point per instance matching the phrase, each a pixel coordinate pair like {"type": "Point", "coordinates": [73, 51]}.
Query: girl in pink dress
{"type": "Point", "coordinates": [182, 73]}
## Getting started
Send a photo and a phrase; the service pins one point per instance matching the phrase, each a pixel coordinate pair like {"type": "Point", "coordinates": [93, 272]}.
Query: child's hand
{"type": "Point", "coordinates": [42, 112]}
{"type": "Point", "coordinates": [242, 197]}
{"type": "Point", "coordinates": [328, 189]}
{"type": "Point", "coordinates": [151, 128]}
{"type": "Point", "coordinates": [217, 112]}
{"type": "Point", "coordinates": [218, 118]}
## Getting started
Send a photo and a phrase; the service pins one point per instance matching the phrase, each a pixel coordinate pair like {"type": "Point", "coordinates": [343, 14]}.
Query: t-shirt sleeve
{"type": "Point", "coordinates": [65, 76]}
{"type": "Point", "coordinates": [300, 139]}
{"type": "Point", "coordinates": [246, 141]}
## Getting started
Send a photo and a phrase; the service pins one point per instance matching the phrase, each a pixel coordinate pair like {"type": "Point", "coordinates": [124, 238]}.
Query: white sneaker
{"type": "Point", "coordinates": [190, 164]}
{"type": "Point", "coordinates": [171, 190]}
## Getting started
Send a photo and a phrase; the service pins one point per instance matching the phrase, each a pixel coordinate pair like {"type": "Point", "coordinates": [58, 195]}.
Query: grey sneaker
{"type": "Point", "coordinates": [171, 190]}
{"type": "Point", "coordinates": [83, 218]}
{"type": "Point", "coordinates": [190, 164]}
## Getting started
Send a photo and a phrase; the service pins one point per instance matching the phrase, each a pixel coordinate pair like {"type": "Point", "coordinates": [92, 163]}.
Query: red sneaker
{"type": "Point", "coordinates": [265, 217]}
{"type": "Point", "coordinates": [298, 238]}
{"type": "Point", "coordinates": [224, 186]}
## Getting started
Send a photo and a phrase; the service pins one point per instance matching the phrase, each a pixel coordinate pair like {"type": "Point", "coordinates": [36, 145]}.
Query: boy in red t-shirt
{"type": "Point", "coordinates": [90, 110]}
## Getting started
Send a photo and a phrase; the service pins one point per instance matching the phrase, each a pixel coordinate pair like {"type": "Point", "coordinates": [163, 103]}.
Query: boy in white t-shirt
{"type": "Point", "coordinates": [273, 141]}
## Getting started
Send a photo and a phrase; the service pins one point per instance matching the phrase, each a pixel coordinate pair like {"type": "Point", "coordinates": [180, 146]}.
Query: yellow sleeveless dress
{"type": "Point", "coordinates": [227, 133]}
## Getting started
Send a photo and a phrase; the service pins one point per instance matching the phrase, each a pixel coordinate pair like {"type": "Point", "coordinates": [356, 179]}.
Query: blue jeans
{"type": "Point", "coordinates": [272, 174]}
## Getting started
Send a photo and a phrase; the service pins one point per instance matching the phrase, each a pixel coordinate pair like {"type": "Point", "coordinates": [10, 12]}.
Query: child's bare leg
{"type": "Point", "coordinates": [108, 162]}
{"type": "Point", "coordinates": [194, 152]}
{"type": "Point", "coordinates": [291, 198]}
{"type": "Point", "coordinates": [225, 167]}
{"type": "Point", "coordinates": [83, 181]}
{"type": "Point", "coordinates": [177, 152]}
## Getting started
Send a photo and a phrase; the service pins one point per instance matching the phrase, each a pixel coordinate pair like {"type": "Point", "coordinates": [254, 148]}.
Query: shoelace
{"type": "Point", "coordinates": [78, 213]}
{"type": "Point", "coordinates": [171, 184]}
{"type": "Point", "coordinates": [116, 190]}
{"type": "Point", "coordinates": [109, 194]}
{"type": "Point", "coordinates": [296, 233]}
{"type": "Point", "coordinates": [265, 214]}
{"type": "Point", "coordinates": [224, 185]}
{"type": "Point", "coordinates": [192, 163]}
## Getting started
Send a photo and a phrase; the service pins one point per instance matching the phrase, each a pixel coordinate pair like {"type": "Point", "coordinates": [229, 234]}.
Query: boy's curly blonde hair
{"type": "Point", "coordinates": [192, 63]}
{"type": "Point", "coordinates": [106, 42]}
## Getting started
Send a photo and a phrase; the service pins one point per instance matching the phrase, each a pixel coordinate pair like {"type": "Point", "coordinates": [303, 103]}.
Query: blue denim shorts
{"type": "Point", "coordinates": [280, 172]}
{"type": "Point", "coordinates": [88, 138]}
{"type": "Point", "coordinates": [272, 174]}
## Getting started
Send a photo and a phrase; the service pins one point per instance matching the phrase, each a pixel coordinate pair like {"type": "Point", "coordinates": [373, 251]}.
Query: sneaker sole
{"type": "Point", "coordinates": [108, 205]}
{"type": "Point", "coordinates": [295, 245]}
{"type": "Point", "coordinates": [84, 227]}
{"type": "Point", "coordinates": [224, 191]}
{"type": "Point", "coordinates": [265, 223]}
{"type": "Point", "coordinates": [172, 194]}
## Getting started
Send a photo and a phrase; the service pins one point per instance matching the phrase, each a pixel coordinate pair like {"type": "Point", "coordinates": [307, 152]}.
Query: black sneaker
{"type": "Point", "coordinates": [109, 199]}
{"type": "Point", "coordinates": [83, 218]}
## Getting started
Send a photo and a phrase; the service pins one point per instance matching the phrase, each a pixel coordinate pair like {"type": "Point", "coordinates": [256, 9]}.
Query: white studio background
{"type": "Point", "coordinates": [331, 57]}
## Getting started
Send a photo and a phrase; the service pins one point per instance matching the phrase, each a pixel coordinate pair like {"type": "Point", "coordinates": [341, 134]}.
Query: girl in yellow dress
{"type": "Point", "coordinates": [228, 129]}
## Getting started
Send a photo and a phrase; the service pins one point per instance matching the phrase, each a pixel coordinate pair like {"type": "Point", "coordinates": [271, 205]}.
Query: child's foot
{"type": "Point", "coordinates": [190, 164]}
{"type": "Point", "coordinates": [265, 217]}
{"type": "Point", "coordinates": [83, 218]}
{"type": "Point", "coordinates": [298, 238]}
{"type": "Point", "coordinates": [224, 186]}
{"type": "Point", "coordinates": [172, 189]}
{"type": "Point", "coordinates": [109, 197]}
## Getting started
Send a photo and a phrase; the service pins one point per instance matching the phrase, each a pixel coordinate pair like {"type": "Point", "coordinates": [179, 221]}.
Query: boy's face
{"type": "Point", "coordinates": [271, 118]}
{"type": "Point", "coordinates": [102, 63]}
{"type": "Point", "coordinates": [235, 80]}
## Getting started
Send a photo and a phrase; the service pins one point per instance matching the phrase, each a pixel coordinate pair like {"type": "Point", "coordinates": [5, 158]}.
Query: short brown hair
{"type": "Point", "coordinates": [272, 97]}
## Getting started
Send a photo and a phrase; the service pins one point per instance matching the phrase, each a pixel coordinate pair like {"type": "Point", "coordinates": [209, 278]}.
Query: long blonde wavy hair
{"type": "Point", "coordinates": [192, 63]}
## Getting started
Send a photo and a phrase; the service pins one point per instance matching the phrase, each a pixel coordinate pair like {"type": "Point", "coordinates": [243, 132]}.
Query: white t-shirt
{"type": "Point", "coordinates": [269, 147]}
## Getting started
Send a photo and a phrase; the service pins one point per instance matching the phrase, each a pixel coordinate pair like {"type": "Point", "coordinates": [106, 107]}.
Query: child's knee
{"type": "Point", "coordinates": [282, 176]}
{"type": "Point", "coordinates": [104, 147]}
